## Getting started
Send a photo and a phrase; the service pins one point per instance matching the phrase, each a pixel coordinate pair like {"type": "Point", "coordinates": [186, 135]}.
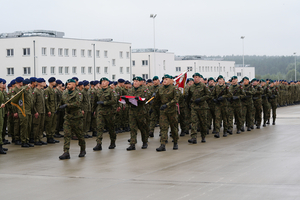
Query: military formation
{"type": "Point", "coordinates": [77, 108]}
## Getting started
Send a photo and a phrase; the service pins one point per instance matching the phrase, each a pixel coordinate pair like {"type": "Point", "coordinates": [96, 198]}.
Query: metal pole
{"type": "Point", "coordinates": [34, 70]}
{"type": "Point", "coordinates": [94, 62]}
{"type": "Point", "coordinates": [154, 70]}
{"type": "Point", "coordinates": [130, 66]}
{"type": "Point", "coordinates": [242, 37]}
{"type": "Point", "coordinates": [295, 67]}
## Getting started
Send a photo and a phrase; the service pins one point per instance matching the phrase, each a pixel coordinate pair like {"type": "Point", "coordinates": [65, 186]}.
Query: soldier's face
{"type": "Point", "coordinates": [104, 84]}
{"type": "Point", "coordinates": [190, 83]}
{"type": "Point", "coordinates": [137, 83]}
{"type": "Point", "coordinates": [166, 81]}
{"type": "Point", "coordinates": [71, 86]}
{"type": "Point", "coordinates": [211, 82]}
{"type": "Point", "coordinates": [156, 82]}
{"type": "Point", "coordinates": [263, 83]}
{"type": "Point", "coordinates": [197, 79]}
{"type": "Point", "coordinates": [234, 81]}
{"type": "Point", "coordinates": [254, 83]}
{"type": "Point", "coordinates": [221, 81]}
{"type": "Point", "coordinates": [246, 81]}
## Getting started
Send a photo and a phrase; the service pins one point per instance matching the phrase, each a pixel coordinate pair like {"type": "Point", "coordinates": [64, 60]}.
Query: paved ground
{"type": "Point", "coordinates": [261, 164]}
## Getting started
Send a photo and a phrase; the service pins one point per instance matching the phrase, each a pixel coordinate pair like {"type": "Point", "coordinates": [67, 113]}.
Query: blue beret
{"type": "Point", "coordinates": [85, 83]}
{"type": "Point", "coordinates": [52, 79]}
{"type": "Point", "coordinates": [26, 81]}
{"type": "Point", "coordinates": [96, 82]}
{"type": "Point", "coordinates": [127, 82]}
{"type": "Point", "coordinates": [33, 79]}
{"type": "Point", "coordinates": [92, 82]}
{"type": "Point", "coordinates": [4, 81]}
{"type": "Point", "coordinates": [13, 82]}
{"type": "Point", "coordinates": [115, 83]}
{"type": "Point", "coordinates": [110, 82]}
{"type": "Point", "coordinates": [149, 81]}
{"type": "Point", "coordinates": [58, 81]}
{"type": "Point", "coordinates": [40, 80]}
{"type": "Point", "coordinates": [75, 78]}
{"type": "Point", "coordinates": [121, 80]}
{"type": "Point", "coordinates": [1, 80]}
{"type": "Point", "coordinates": [80, 83]}
{"type": "Point", "coordinates": [19, 79]}
{"type": "Point", "coordinates": [9, 85]}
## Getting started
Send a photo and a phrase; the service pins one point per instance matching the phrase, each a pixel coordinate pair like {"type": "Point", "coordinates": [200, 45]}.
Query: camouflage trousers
{"type": "Point", "coordinates": [188, 115]}
{"type": "Point", "coordinates": [235, 110]}
{"type": "Point", "coordinates": [247, 114]}
{"type": "Point", "coordinates": [137, 120]}
{"type": "Point", "coordinates": [94, 122]}
{"type": "Point", "coordinates": [154, 118]}
{"type": "Point", "coordinates": [106, 121]}
{"type": "Point", "coordinates": [211, 117]}
{"type": "Point", "coordinates": [1, 128]}
{"type": "Point", "coordinates": [184, 126]}
{"type": "Point", "coordinates": [166, 120]}
{"type": "Point", "coordinates": [221, 115]}
{"type": "Point", "coordinates": [25, 127]}
{"type": "Point", "coordinates": [38, 126]}
{"type": "Point", "coordinates": [273, 106]}
{"type": "Point", "coordinates": [73, 126]}
{"type": "Point", "coordinates": [17, 128]}
{"type": "Point", "coordinates": [199, 119]}
{"type": "Point", "coordinates": [266, 110]}
{"type": "Point", "coordinates": [4, 126]}
{"type": "Point", "coordinates": [257, 111]}
{"type": "Point", "coordinates": [11, 125]}
{"type": "Point", "coordinates": [50, 125]}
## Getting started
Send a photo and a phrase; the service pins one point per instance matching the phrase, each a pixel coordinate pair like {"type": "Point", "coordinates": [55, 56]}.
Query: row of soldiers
{"type": "Point", "coordinates": [202, 103]}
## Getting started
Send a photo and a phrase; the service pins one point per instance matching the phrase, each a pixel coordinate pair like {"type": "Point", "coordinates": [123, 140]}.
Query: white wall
{"type": "Point", "coordinates": [240, 72]}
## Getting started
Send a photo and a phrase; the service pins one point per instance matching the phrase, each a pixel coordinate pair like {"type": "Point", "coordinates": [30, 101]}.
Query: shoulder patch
{"type": "Point", "coordinates": [79, 93]}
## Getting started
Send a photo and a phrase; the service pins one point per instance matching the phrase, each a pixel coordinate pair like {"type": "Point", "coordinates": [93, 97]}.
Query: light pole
{"type": "Point", "coordinates": [295, 66]}
{"type": "Point", "coordinates": [242, 37]}
{"type": "Point", "coordinates": [153, 16]}
{"type": "Point", "coordinates": [94, 62]}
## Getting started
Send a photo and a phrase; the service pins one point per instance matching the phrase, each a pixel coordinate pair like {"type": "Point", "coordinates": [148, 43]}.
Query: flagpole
{"type": "Point", "coordinates": [14, 96]}
{"type": "Point", "coordinates": [183, 73]}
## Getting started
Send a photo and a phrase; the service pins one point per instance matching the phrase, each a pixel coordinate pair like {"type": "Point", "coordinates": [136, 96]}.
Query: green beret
{"type": "Point", "coordinates": [167, 76]}
{"type": "Point", "coordinates": [262, 80]}
{"type": "Point", "coordinates": [70, 81]}
{"type": "Point", "coordinates": [155, 78]}
{"type": "Point", "coordinates": [220, 76]}
{"type": "Point", "coordinates": [271, 81]}
{"type": "Point", "coordinates": [103, 79]}
{"type": "Point", "coordinates": [253, 80]}
{"type": "Point", "coordinates": [138, 78]}
{"type": "Point", "coordinates": [196, 74]}
{"type": "Point", "coordinates": [234, 77]}
{"type": "Point", "coordinates": [211, 79]}
{"type": "Point", "coordinates": [190, 79]}
{"type": "Point", "coordinates": [246, 78]}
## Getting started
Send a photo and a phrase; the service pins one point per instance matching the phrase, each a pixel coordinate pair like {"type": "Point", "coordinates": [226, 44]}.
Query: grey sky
{"type": "Point", "coordinates": [198, 27]}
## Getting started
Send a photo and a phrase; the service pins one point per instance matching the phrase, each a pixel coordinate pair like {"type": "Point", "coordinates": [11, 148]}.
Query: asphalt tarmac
{"type": "Point", "coordinates": [260, 164]}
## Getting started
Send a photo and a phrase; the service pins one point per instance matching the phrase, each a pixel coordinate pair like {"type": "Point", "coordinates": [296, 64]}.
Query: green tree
{"type": "Point", "coordinates": [290, 76]}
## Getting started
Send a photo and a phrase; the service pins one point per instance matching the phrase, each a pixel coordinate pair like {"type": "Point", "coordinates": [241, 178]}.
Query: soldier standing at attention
{"type": "Point", "coordinates": [168, 96]}
{"type": "Point", "coordinates": [71, 102]}
{"type": "Point", "coordinates": [257, 102]}
{"type": "Point", "coordinates": [2, 101]}
{"type": "Point", "coordinates": [59, 114]}
{"type": "Point", "coordinates": [51, 107]}
{"type": "Point", "coordinates": [10, 112]}
{"type": "Point", "coordinates": [197, 94]}
{"type": "Point", "coordinates": [85, 104]}
{"type": "Point", "coordinates": [16, 112]}
{"type": "Point", "coordinates": [247, 104]}
{"type": "Point", "coordinates": [104, 107]}
{"type": "Point", "coordinates": [265, 103]}
{"type": "Point", "coordinates": [273, 99]}
{"type": "Point", "coordinates": [5, 119]}
{"type": "Point", "coordinates": [137, 113]}
{"type": "Point", "coordinates": [211, 117]}
{"type": "Point", "coordinates": [235, 102]}
{"type": "Point", "coordinates": [154, 109]}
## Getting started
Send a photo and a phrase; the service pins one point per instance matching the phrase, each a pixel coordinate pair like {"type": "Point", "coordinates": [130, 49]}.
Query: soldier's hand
{"type": "Point", "coordinates": [221, 98]}
{"type": "Point", "coordinates": [63, 106]}
{"type": "Point", "coordinates": [36, 115]}
{"type": "Point", "coordinates": [100, 102]}
{"type": "Point", "coordinates": [2, 105]}
{"type": "Point", "coordinates": [118, 109]}
{"type": "Point", "coordinates": [163, 107]}
{"type": "Point", "coordinates": [16, 115]}
{"type": "Point", "coordinates": [197, 101]}
{"type": "Point", "coordinates": [235, 97]}
{"type": "Point", "coordinates": [215, 100]}
{"type": "Point", "coordinates": [82, 112]}
{"type": "Point", "coordinates": [137, 98]}
{"type": "Point", "coordinates": [49, 114]}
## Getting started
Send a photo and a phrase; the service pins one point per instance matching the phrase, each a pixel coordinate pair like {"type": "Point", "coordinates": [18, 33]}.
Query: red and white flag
{"type": "Point", "coordinates": [131, 99]}
{"type": "Point", "coordinates": [181, 81]}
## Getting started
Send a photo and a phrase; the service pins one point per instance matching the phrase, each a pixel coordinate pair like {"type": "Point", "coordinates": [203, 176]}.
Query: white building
{"type": "Point", "coordinates": [46, 54]}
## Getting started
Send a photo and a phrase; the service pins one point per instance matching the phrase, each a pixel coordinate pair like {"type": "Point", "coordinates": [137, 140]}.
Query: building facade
{"type": "Point", "coordinates": [47, 55]}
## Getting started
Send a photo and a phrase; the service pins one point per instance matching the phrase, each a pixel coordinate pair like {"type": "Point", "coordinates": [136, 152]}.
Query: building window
{"type": "Point", "coordinates": [178, 69]}
{"type": "Point", "coordinates": [98, 54]}
{"type": "Point", "coordinates": [52, 50]}
{"type": "Point", "coordinates": [220, 69]}
{"type": "Point", "coordinates": [66, 70]}
{"type": "Point", "coordinates": [127, 54]}
{"type": "Point", "coordinates": [199, 69]}
{"type": "Point", "coordinates": [60, 70]}
{"type": "Point", "coordinates": [239, 74]}
{"type": "Point", "coordinates": [26, 70]}
{"type": "Point", "coordinates": [133, 75]}
{"type": "Point", "coordinates": [74, 52]}
{"type": "Point", "coordinates": [10, 52]}
{"type": "Point", "coordinates": [90, 70]}
{"type": "Point", "coordinates": [113, 62]}
{"type": "Point", "coordinates": [44, 70]}
{"type": "Point", "coordinates": [105, 70]}
{"type": "Point", "coordinates": [215, 69]}
{"type": "Point", "coordinates": [121, 70]}
{"type": "Point", "coordinates": [105, 54]}
{"type": "Point", "coordinates": [26, 51]}
{"type": "Point", "coordinates": [203, 69]}
{"type": "Point", "coordinates": [10, 71]}
{"type": "Point", "coordinates": [230, 69]}
{"type": "Point", "coordinates": [113, 77]}
{"type": "Point", "coordinates": [121, 54]}
{"type": "Point", "coordinates": [145, 76]}
{"type": "Point", "coordinates": [144, 62]}
{"type": "Point", "coordinates": [90, 53]}
{"type": "Point", "coordinates": [127, 70]}
{"type": "Point", "coordinates": [189, 69]}
{"type": "Point", "coordinates": [60, 52]}
{"type": "Point", "coordinates": [82, 52]}
{"type": "Point", "coordinates": [211, 69]}
{"type": "Point", "coordinates": [133, 63]}
{"type": "Point", "coordinates": [66, 52]}
{"type": "Point", "coordinates": [223, 69]}
{"type": "Point", "coordinates": [44, 51]}
{"type": "Point", "coordinates": [98, 70]}
{"type": "Point", "coordinates": [52, 70]}
{"type": "Point", "coordinates": [74, 70]}
{"type": "Point", "coordinates": [82, 70]}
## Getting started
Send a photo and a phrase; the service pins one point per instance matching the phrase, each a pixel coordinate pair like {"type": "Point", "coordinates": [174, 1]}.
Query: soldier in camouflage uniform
{"type": "Point", "coordinates": [168, 96]}
{"type": "Point", "coordinates": [10, 112]}
{"type": "Point", "coordinates": [59, 113]}
{"type": "Point", "coordinates": [188, 120]}
{"type": "Point", "coordinates": [235, 108]}
{"type": "Point", "coordinates": [220, 94]}
{"type": "Point", "coordinates": [92, 93]}
{"type": "Point", "coordinates": [265, 103]}
{"type": "Point", "coordinates": [197, 94]}
{"type": "Point", "coordinates": [2, 101]}
{"type": "Point", "coordinates": [211, 117]}
{"type": "Point", "coordinates": [154, 109]}
{"type": "Point", "coordinates": [273, 99]}
{"type": "Point", "coordinates": [5, 122]}
{"type": "Point", "coordinates": [104, 102]}
{"type": "Point", "coordinates": [71, 102]}
{"type": "Point", "coordinates": [120, 90]}
{"type": "Point", "coordinates": [85, 106]}
{"type": "Point", "coordinates": [257, 102]}
{"type": "Point", "coordinates": [247, 104]}
{"type": "Point", "coordinates": [137, 113]}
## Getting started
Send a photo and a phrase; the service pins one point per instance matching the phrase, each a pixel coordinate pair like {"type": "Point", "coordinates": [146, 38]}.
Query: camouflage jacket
{"type": "Point", "coordinates": [73, 101]}
{"type": "Point", "coordinates": [221, 91]}
{"type": "Point", "coordinates": [109, 97]}
{"type": "Point", "coordinates": [249, 91]}
{"type": "Point", "coordinates": [168, 95]}
{"type": "Point", "coordinates": [38, 101]}
{"type": "Point", "coordinates": [236, 90]}
{"type": "Point", "coordinates": [50, 100]}
{"type": "Point", "coordinates": [140, 92]}
{"type": "Point", "coordinates": [258, 91]}
{"type": "Point", "coordinates": [198, 91]}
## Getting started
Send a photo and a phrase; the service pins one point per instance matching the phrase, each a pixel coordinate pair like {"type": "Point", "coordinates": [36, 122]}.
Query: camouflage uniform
{"type": "Point", "coordinates": [273, 101]}
{"type": "Point", "coordinates": [154, 116]}
{"type": "Point", "coordinates": [85, 106]}
{"type": "Point", "coordinates": [16, 120]}
{"type": "Point", "coordinates": [51, 106]}
{"type": "Point", "coordinates": [184, 126]}
{"type": "Point", "coordinates": [211, 117]}
{"type": "Point", "coordinates": [235, 107]}
{"type": "Point", "coordinates": [247, 104]}
{"type": "Point", "coordinates": [59, 114]}
{"type": "Point", "coordinates": [92, 94]}
{"type": "Point", "coordinates": [121, 112]}
{"type": "Point", "coordinates": [265, 103]}
{"type": "Point", "coordinates": [257, 103]}
{"type": "Point", "coordinates": [5, 118]}
{"type": "Point", "coordinates": [1, 118]}
{"type": "Point", "coordinates": [10, 117]}
{"type": "Point", "coordinates": [38, 107]}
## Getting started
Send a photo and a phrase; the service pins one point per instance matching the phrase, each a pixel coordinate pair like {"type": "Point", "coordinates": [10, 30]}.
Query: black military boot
{"type": "Point", "coordinates": [225, 134]}
{"type": "Point", "coordinates": [82, 153]}
{"type": "Point", "coordinates": [64, 156]}
{"type": "Point", "coordinates": [50, 141]}
{"type": "Point", "coordinates": [214, 131]}
{"type": "Point", "coordinates": [145, 145]}
{"type": "Point", "coordinates": [5, 149]}
{"type": "Point", "coordinates": [98, 147]}
{"type": "Point", "coordinates": [273, 121]}
{"type": "Point", "coordinates": [38, 143]}
{"type": "Point", "coordinates": [203, 140]}
{"type": "Point", "coordinates": [243, 129]}
{"type": "Point", "coordinates": [25, 145]}
{"type": "Point", "coordinates": [112, 145]}
{"type": "Point", "coordinates": [257, 127]}
{"type": "Point", "coordinates": [207, 131]}
{"type": "Point", "coordinates": [131, 147]}
{"type": "Point", "coordinates": [43, 143]}
{"type": "Point", "coordinates": [238, 131]}
{"type": "Point", "coordinates": [94, 133]}
{"type": "Point", "coordinates": [248, 129]}
{"type": "Point", "coordinates": [182, 133]}
{"type": "Point", "coordinates": [161, 148]}
{"type": "Point", "coordinates": [175, 146]}
{"type": "Point", "coordinates": [192, 141]}
{"type": "Point", "coordinates": [217, 135]}
{"type": "Point", "coordinates": [57, 135]}
{"type": "Point", "coordinates": [18, 142]}
{"type": "Point", "coordinates": [229, 131]}
{"type": "Point", "coordinates": [31, 140]}
{"type": "Point", "coordinates": [151, 134]}
{"type": "Point", "coordinates": [30, 145]}
{"type": "Point", "coordinates": [2, 150]}
{"type": "Point", "coordinates": [268, 122]}
{"type": "Point", "coordinates": [252, 127]}
{"type": "Point", "coordinates": [264, 125]}
{"type": "Point", "coordinates": [6, 142]}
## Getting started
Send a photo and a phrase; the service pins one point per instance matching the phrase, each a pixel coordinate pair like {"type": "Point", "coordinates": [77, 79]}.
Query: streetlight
{"type": "Point", "coordinates": [94, 62]}
{"type": "Point", "coordinates": [153, 16]}
{"type": "Point", "coordinates": [295, 66]}
{"type": "Point", "coordinates": [242, 37]}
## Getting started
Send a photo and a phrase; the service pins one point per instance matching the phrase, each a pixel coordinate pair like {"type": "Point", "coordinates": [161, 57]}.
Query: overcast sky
{"type": "Point", "coordinates": [185, 27]}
